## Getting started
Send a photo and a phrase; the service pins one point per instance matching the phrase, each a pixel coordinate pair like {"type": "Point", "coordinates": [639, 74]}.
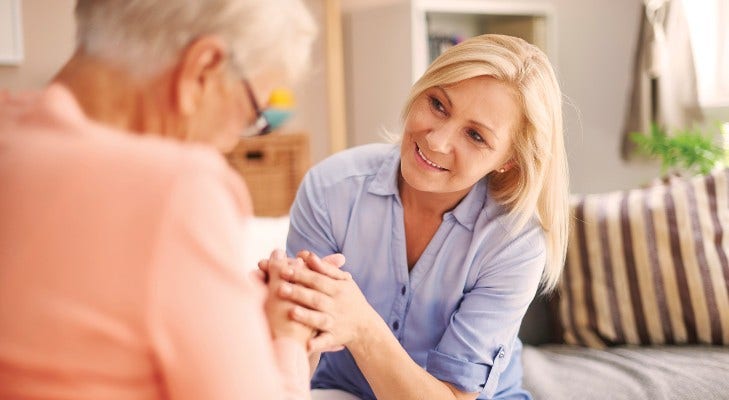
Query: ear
{"type": "Point", "coordinates": [507, 166]}
{"type": "Point", "coordinates": [201, 64]}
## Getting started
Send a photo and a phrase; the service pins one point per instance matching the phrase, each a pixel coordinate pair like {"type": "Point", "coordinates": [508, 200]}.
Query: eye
{"type": "Point", "coordinates": [437, 105]}
{"type": "Point", "coordinates": [475, 136]}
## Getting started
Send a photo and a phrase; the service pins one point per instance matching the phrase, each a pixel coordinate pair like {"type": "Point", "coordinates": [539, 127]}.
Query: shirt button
{"type": "Point", "coordinates": [395, 325]}
{"type": "Point", "coordinates": [404, 289]}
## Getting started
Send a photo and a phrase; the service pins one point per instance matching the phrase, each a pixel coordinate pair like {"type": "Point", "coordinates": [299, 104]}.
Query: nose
{"type": "Point", "coordinates": [440, 139]}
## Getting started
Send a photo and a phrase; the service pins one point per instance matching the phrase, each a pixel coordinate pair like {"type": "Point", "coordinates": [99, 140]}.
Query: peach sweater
{"type": "Point", "coordinates": [121, 271]}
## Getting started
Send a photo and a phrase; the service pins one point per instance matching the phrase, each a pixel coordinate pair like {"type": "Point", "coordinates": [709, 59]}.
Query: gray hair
{"type": "Point", "coordinates": [146, 36]}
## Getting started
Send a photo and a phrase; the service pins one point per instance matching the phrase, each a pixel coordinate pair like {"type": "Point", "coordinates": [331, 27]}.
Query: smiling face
{"type": "Point", "coordinates": [455, 135]}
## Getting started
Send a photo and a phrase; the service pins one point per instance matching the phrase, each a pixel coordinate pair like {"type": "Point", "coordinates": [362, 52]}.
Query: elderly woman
{"type": "Point", "coordinates": [121, 268]}
{"type": "Point", "coordinates": [471, 215]}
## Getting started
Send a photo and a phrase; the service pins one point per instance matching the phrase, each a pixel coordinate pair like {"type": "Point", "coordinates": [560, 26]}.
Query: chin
{"type": "Point", "coordinates": [413, 179]}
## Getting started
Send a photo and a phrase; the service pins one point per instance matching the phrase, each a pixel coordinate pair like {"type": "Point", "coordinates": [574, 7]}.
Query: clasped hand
{"type": "Point", "coordinates": [322, 297]}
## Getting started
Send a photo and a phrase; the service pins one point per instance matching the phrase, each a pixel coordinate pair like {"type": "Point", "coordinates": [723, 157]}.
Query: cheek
{"type": "Point", "coordinates": [417, 122]}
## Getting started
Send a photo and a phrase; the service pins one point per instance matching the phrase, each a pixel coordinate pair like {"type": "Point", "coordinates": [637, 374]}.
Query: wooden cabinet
{"type": "Point", "coordinates": [272, 167]}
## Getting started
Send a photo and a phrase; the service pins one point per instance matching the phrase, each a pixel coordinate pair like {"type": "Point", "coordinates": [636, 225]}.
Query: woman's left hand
{"type": "Point", "coordinates": [336, 307]}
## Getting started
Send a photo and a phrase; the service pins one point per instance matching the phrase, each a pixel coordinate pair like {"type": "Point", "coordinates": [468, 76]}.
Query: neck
{"type": "Point", "coordinates": [428, 203]}
{"type": "Point", "coordinates": [113, 97]}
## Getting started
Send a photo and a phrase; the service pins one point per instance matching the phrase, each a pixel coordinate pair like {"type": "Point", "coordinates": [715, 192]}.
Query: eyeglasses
{"type": "Point", "coordinates": [261, 125]}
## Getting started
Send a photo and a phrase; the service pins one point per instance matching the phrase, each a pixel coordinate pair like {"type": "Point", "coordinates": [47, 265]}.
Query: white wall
{"type": "Point", "coordinates": [48, 36]}
{"type": "Point", "coordinates": [595, 46]}
{"type": "Point", "coordinates": [311, 114]}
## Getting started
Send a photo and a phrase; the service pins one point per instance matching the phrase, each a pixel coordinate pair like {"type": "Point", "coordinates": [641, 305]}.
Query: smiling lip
{"type": "Point", "coordinates": [429, 163]}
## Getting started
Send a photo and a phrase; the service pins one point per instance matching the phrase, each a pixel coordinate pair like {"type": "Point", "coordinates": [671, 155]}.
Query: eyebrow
{"type": "Point", "coordinates": [450, 104]}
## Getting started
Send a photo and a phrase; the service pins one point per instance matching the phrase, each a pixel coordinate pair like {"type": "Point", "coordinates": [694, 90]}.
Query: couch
{"type": "Point", "coordinates": [642, 310]}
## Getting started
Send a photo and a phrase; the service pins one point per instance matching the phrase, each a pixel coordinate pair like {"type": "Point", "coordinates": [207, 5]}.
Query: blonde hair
{"type": "Point", "coordinates": [538, 184]}
{"type": "Point", "coordinates": [146, 36]}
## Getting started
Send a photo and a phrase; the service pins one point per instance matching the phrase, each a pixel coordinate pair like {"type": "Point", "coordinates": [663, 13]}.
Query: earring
{"type": "Point", "coordinates": [502, 170]}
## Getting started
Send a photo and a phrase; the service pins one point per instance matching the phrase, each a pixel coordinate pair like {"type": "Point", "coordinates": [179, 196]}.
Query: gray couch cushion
{"type": "Point", "coordinates": [563, 372]}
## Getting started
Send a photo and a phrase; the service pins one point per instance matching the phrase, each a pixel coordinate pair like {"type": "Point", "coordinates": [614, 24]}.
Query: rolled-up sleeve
{"type": "Point", "coordinates": [478, 343]}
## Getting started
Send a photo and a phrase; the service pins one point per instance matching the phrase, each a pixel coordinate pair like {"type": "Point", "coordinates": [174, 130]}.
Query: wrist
{"type": "Point", "coordinates": [294, 331]}
{"type": "Point", "coordinates": [369, 333]}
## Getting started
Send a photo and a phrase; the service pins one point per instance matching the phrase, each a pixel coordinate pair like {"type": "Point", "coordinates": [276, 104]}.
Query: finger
{"type": "Point", "coordinates": [304, 296]}
{"type": "Point", "coordinates": [263, 265]}
{"type": "Point", "coordinates": [316, 264]}
{"type": "Point", "coordinates": [316, 320]}
{"type": "Point", "coordinates": [277, 254]}
{"type": "Point", "coordinates": [283, 267]}
{"type": "Point", "coordinates": [336, 260]}
{"type": "Point", "coordinates": [311, 279]}
{"type": "Point", "coordinates": [323, 342]}
{"type": "Point", "coordinates": [278, 269]}
{"type": "Point", "coordinates": [259, 275]}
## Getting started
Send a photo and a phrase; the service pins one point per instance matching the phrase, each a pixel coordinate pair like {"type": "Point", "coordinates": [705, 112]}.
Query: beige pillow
{"type": "Point", "coordinates": [649, 266]}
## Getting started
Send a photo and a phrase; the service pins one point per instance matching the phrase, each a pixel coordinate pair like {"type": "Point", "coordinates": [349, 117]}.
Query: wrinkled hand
{"type": "Point", "coordinates": [277, 308]}
{"type": "Point", "coordinates": [329, 301]}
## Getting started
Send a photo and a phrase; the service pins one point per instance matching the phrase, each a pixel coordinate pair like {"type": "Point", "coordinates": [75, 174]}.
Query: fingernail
{"type": "Point", "coordinates": [278, 254]}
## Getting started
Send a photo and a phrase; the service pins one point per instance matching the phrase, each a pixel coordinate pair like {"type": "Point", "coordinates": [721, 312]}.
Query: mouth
{"type": "Point", "coordinates": [426, 161]}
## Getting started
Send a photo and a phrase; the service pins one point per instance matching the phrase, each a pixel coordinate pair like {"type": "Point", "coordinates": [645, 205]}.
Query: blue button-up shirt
{"type": "Point", "coordinates": [457, 312]}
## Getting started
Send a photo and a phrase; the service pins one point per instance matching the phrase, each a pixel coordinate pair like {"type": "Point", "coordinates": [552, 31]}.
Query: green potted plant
{"type": "Point", "coordinates": [688, 151]}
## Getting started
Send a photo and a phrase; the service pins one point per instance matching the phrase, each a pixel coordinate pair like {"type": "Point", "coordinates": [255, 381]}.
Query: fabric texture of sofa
{"type": "Point", "coordinates": [642, 310]}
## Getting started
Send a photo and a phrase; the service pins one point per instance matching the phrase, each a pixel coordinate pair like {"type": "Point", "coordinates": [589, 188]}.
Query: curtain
{"type": "Point", "coordinates": [664, 87]}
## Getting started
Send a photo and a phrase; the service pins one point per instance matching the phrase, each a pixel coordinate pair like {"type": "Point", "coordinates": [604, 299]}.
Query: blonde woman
{"type": "Point", "coordinates": [123, 230]}
{"type": "Point", "coordinates": [447, 235]}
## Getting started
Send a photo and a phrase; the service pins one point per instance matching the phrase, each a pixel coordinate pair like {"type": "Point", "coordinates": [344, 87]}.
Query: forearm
{"type": "Point", "coordinates": [291, 357]}
{"type": "Point", "coordinates": [313, 362]}
{"type": "Point", "coordinates": [390, 371]}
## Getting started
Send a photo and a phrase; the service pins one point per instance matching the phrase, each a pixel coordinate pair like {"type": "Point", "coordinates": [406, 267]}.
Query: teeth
{"type": "Point", "coordinates": [432, 164]}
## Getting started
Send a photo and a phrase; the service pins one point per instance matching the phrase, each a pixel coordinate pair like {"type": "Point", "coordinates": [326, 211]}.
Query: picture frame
{"type": "Point", "coordinates": [11, 33]}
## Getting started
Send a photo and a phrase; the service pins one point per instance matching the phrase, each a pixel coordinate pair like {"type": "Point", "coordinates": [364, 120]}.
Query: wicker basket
{"type": "Point", "coordinates": [272, 167]}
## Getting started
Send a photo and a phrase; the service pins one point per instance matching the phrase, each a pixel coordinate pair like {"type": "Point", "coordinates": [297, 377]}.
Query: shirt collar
{"type": "Point", "coordinates": [385, 182]}
{"type": "Point", "coordinates": [466, 212]}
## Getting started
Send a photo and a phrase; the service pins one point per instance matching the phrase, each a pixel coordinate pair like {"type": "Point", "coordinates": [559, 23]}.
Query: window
{"type": "Point", "coordinates": [708, 22]}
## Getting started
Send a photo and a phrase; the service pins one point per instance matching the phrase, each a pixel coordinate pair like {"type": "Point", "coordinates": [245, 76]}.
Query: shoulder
{"type": "Point", "coordinates": [507, 239]}
{"type": "Point", "coordinates": [165, 159]}
{"type": "Point", "coordinates": [360, 161]}
{"type": "Point", "coordinates": [153, 168]}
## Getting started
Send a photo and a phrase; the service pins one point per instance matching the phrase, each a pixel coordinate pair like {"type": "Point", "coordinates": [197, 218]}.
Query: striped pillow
{"type": "Point", "coordinates": [649, 266]}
